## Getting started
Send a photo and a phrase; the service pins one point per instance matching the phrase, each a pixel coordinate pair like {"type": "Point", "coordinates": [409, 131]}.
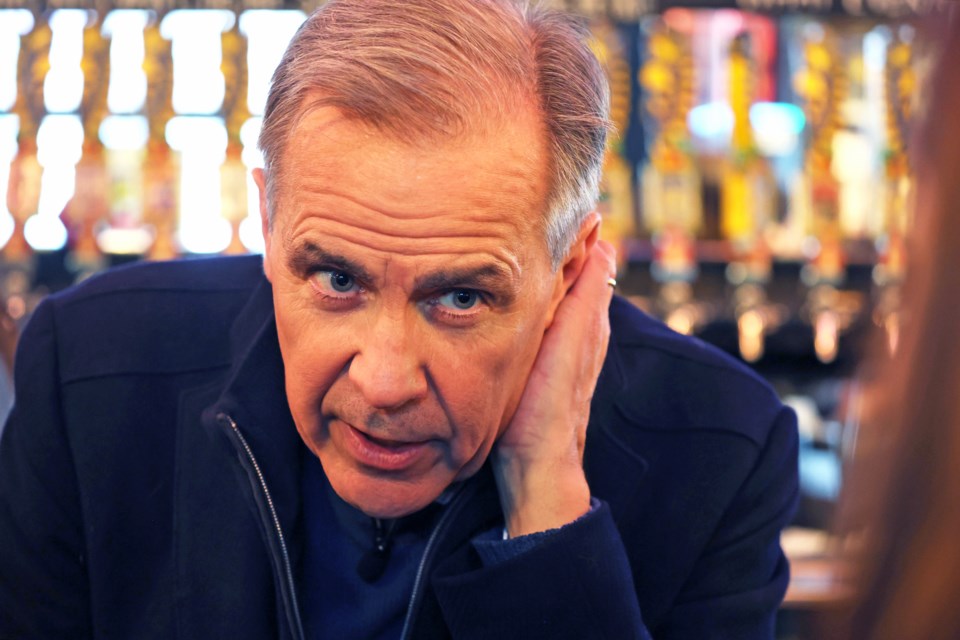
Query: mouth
{"type": "Point", "coordinates": [390, 444]}
{"type": "Point", "coordinates": [384, 454]}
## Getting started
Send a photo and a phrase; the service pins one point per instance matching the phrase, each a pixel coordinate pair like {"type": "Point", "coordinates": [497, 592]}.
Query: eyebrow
{"type": "Point", "coordinates": [306, 257]}
{"type": "Point", "coordinates": [493, 278]}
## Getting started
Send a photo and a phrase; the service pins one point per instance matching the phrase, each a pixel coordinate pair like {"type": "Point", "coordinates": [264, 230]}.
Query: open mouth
{"type": "Point", "coordinates": [390, 444]}
{"type": "Point", "coordinates": [383, 453]}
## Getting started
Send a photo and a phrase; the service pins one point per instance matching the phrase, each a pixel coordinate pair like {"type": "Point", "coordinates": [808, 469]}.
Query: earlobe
{"type": "Point", "coordinates": [260, 178]}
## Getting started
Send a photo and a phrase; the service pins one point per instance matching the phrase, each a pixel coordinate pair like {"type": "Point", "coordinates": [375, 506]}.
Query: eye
{"type": "Point", "coordinates": [335, 283]}
{"type": "Point", "coordinates": [340, 281]}
{"type": "Point", "coordinates": [459, 299]}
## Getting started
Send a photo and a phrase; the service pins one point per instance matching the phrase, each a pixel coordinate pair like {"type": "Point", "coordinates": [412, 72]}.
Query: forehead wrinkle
{"type": "Point", "coordinates": [508, 204]}
{"type": "Point", "coordinates": [430, 238]}
{"type": "Point", "coordinates": [398, 194]}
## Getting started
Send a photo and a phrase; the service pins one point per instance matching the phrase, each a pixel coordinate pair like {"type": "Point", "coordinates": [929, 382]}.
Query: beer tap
{"type": "Point", "coordinates": [159, 166]}
{"type": "Point", "coordinates": [747, 210]}
{"type": "Point", "coordinates": [823, 86]}
{"type": "Point", "coordinates": [233, 172]}
{"type": "Point", "coordinates": [830, 311]}
{"type": "Point", "coordinates": [23, 192]}
{"type": "Point", "coordinates": [888, 274]}
{"type": "Point", "coordinates": [89, 206]}
{"type": "Point", "coordinates": [670, 181]}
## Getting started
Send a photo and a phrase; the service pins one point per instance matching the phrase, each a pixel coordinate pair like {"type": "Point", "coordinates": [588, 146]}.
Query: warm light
{"type": "Point", "coordinates": [59, 142]}
{"type": "Point", "coordinates": [45, 233]}
{"type": "Point", "coordinates": [124, 132]}
{"type": "Point", "coordinates": [198, 85]}
{"type": "Point", "coordinates": [63, 85]}
{"type": "Point", "coordinates": [751, 327]}
{"type": "Point", "coordinates": [892, 325]}
{"type": "Point", "coordinates": [251, 233]}
{"type": "Point", "coordinates": [268, 33]}
{"type": "Point", "coordinates": [826, 329]}
{"type": "Point", "coordinates": [202, 143]}
{"type": "Point", "coordinates": [13, 24]}
{"type": "Point", "coordinates": [124, 241]}
{"type": "Point", "coordinates": [250, 228]}
{"type": "Point", "coordinates": [681, 320]}
{"type": "Point", "coordinates": [8, 148]}
{"type": "Point", "coordinates": [127, 90]}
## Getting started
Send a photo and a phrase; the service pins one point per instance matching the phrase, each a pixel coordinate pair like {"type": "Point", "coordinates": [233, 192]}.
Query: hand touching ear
{"type": "Point", "coordinates": [538, 459]}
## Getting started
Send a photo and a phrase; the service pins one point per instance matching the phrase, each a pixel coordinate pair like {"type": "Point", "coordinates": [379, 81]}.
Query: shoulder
{"type": "Point", "coordinates": [150, 317]}
{"type": "Point", "coordinates": [199, 275]}
{"type": "Point", "coordinates": [677, 383]}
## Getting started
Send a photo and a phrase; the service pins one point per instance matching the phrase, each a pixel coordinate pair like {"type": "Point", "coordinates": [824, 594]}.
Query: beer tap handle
{"type": "Point", "coordinates": [826, 334]}
{"type": "Point", "coordinates": [751, 332]}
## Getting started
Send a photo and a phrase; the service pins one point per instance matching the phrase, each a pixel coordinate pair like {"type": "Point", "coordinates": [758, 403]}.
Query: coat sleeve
{"type": "Point", "coordinates": [577, 582]}
{"type": "Point", "coordinates": [43, 581]}
{"type": "Point", "coordinates": [574, 583]}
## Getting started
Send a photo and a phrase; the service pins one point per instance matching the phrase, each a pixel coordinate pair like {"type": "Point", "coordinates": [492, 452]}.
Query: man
{"type": "Point", "coordinates": [381, 429]}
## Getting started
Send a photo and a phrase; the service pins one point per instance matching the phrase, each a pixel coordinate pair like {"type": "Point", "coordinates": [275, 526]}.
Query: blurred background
{"type": "Point", "coordinates": [759, 185]}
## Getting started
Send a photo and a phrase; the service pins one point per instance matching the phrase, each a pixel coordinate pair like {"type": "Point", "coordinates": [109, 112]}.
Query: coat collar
{"type": "Point", "coordinates": [255, 397]}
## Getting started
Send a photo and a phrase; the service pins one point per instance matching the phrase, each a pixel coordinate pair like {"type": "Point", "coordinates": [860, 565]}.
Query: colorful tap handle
{"type": "Point", "coordinates": [23, 191]}
{"type": "Point", "coordinates": [160, 168]}
{"type": "Point", "coordinates": [671, 203]}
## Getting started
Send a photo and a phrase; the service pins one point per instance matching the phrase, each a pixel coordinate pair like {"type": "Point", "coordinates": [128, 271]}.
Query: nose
{"type": "Point", "coordinates": [386, 367]}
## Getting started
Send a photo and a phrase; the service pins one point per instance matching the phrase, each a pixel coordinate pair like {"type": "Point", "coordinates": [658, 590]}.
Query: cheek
{"type": "Point", "coordinates": [486, 378]}
{"type": "Point", "coordinates": [312, 358]}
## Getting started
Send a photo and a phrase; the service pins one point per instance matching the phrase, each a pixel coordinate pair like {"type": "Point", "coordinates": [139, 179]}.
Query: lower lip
{"type": "Point", "coordinates": [371, 454]}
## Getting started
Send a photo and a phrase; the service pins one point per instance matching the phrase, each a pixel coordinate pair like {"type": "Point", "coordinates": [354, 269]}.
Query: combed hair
{"type": "Point", "coordinates": [426, 70]}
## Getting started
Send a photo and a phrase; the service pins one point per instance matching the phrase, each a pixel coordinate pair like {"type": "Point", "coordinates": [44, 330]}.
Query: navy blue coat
{"type": "Point", "coordinates": [149, 483]}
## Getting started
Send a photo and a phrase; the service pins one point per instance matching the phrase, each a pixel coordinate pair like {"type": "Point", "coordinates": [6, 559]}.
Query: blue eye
{"type": "Point", "coordinates": [335, 283]}
{"type": "Point", "coordinates": [460, 299]}
{"type": "Point", "coordinates": [341, 282]}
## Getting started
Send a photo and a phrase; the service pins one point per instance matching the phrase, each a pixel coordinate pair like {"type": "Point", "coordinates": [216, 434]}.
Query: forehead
{"type": "Point", "coordinates": [494, 176]}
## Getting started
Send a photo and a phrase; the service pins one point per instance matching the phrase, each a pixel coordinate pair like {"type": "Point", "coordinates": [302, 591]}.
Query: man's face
{"type": "Point", "coordinates": [412, 288]}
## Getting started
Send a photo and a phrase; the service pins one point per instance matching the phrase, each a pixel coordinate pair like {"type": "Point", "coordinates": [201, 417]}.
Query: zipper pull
{"type": "Point", "coordinates": [374, 562]}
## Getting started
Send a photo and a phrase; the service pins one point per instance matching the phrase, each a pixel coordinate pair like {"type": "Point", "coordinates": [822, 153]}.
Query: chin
{"type": "Point", "coordinates": [380, 498]}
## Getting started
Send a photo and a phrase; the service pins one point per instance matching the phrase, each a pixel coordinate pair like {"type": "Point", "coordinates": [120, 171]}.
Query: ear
{"type": "Point", "coordinates": [575, 260]}
{"type": "Point", "coordinates": [260, 178]}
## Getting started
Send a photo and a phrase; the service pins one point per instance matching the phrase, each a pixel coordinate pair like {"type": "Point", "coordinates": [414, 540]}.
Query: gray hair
{"type": "Point", "coordinates": [421, 70]}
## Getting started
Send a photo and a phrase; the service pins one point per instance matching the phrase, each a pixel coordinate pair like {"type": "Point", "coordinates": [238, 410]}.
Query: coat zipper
{"type": "Point", "coordinates": [448, 514]}
{"type": "Point", "coordinates": [268, 516]}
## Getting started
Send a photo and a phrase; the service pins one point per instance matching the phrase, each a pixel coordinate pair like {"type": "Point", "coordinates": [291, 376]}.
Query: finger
{"type": "Point", "coordinates": [608, 250]}
{"type": "Point", "coordinates": [592, 286]}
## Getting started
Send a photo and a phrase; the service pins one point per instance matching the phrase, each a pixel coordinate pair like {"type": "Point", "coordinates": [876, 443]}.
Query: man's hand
{"type": "Point", "coordinates": [538, 461]}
